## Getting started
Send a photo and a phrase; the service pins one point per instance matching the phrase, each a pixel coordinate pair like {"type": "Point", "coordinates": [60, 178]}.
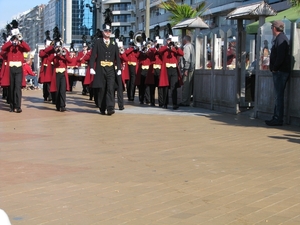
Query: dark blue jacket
{"type": "Point", "coordinates": [280, 54]}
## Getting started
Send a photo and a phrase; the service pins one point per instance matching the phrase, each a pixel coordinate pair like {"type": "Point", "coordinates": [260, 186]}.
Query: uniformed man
{"type": "Point", "coordinates": [156, 62]}
{"type": "Point", "coordinates": [133, 54]}
{"type": "Point", "coordinates": [83, 63]}
{"type": "Point", "coordinates": [46, 67]}
{"type": "Point", "coordinates": [106, 55]}
{"type": "Point", "coordinates": [170, 75]}
{"type": "Point", "coordinates": [60, 79]}
{"type": "Point", "coordinates": [15, 48]}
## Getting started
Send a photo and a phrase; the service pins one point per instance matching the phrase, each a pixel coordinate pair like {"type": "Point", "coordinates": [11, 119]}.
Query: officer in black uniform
{"type": "Point", "coordinates": [106, 55]}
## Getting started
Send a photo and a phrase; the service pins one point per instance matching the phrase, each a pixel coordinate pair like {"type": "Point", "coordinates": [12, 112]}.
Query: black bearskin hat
{"type": "Point", "coordinates": [72, 49]}
{"type": "Point", "coordinates": [84, 42]}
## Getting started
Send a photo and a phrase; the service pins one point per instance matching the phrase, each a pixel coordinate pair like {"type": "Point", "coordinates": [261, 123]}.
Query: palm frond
{"type": "Point", "coordinates": [295, 3]}
{"type": "Point", "coordinates": [181, 12]}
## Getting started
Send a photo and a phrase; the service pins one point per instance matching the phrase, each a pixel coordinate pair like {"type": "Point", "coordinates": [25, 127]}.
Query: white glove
{"type": "Point", "coordinates": [92, 71]}
{"type": "Point", "coordinates": [119, 72]}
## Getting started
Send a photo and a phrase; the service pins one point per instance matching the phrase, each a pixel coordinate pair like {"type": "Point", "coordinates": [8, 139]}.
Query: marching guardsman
{"type": "Point", "coordinates": [46, 69]}
{"type": "Point", "coordinates": [94, 92]}
{"type": "Point", "coordinates": [170, 77]}
{"type": "Point", "coordinates": [83, 63]}
{"type": "Point", "coordinates": [60, 78]}
{"type": "Point", "coordinates": [156, 63]}
{"type": "Point", "coordinates": [106, 55]}
{"type": "Point", "coordinates": [72, 65]}
{"type": "Point", "coordinates": [4, 69]}
{"type": "Point", "coordinates": [133, 55]}
{"type": "Point", "coordinates": [123, 78]}
{"type": "Point", "coordinates": [144, 73]}
{"type": "Point", "coordinates": [15, 48]}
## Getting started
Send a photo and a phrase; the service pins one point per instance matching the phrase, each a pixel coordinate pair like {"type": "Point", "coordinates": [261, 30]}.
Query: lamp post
{"type": "Point", "coordinates": [98, 14]}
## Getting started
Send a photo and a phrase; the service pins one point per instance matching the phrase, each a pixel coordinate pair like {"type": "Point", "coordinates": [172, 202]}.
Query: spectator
{"type": "Point", "coordinates": [187, 67]}
{"type": "Point", "coordinates": [29, 74]}
{"type": "Point", "coordinates": [265, 56]}
{"type": "Point", "coordinates": [231, 54]}
{"type": "Point", "coordinates": [280, 68]}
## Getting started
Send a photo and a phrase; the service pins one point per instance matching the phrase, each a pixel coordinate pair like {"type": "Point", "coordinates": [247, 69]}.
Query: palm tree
{"type": "Point", "coordinates": [295, 3]}
{"type": "Point", "coordinates": [181, 12]}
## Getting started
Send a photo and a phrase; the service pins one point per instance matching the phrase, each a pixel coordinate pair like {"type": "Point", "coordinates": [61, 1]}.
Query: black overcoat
{"type": "Point", "coordinates": [100, 52]}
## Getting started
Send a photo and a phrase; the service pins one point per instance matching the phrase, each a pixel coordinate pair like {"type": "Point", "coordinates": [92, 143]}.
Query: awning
{"type": "Point", "coordinates": [291, 14]}
{"type": "Point", "coordinates": [191, 23]}
{"type": "Point", "coordinates": [252, 11]}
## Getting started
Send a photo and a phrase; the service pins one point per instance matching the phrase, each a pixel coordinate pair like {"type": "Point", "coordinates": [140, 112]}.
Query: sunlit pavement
{"type": "Point", "coordinates": [144, 165]}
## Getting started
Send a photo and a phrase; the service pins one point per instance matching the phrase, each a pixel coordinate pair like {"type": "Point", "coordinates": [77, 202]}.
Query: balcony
{"type": "Point", "coordinates": [142, 6]}
{"type": "Point", "coordinates": [155, 3]}
{"type": "Point", "coordinates": [156, 19]}
{"type": "Point", "coordinates": [131, 8]}
{"type": "Point", "coordinates": [141, 26]}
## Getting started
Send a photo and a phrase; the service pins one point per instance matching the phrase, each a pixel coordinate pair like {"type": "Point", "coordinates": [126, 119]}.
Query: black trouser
{"type": "Point", "coordinates": [160, 90]}
{"type": "Point", "coordinates": [14, 90]}
{"type": "Point", "coordinates": [130, 83]}
{"type": "Point", "coordinates": [60, 90]}
{"type": "Point", "coordinates": [96, 96]}
{"type": "Point", "coordinates": [147, 94]}
{"type": "Point", "coordinates": [173, 81]}
{"type": "Point", "coordinates": [165, 95]}
{"type": "Point", "coordinates": [107, 92]}
{"type": "Point", "coordinates": [142, 86]}
{"type": "Point", "coordinates": [71, 80]}
{"type": "Point", "coordinates": [120, 90]}
{"type": "Point", "coordinates": [46, 91]}
{"type": "Point", "coordinates": [5, 93]}
{"type": "Point", "coordinates": [91, 91]}
{"type": "Point", "coordinates": [160, 96]}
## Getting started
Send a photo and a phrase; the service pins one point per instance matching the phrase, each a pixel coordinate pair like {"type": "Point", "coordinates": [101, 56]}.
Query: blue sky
{"type": "Point", "coordinates": [10, 9]}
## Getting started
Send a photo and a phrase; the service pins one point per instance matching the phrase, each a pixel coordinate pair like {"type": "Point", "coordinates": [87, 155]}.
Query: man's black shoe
{"type": "Point", "coordinates": [110, 112]}
{"type": "Point", "coordinates": [175, 107]}
{"type": "Point", "coordinates": [273, 123]}
{"type": "Point", "coordinates": [63, 109]}
{"type": "Point", "coordinates": [102, 112]}
{"type": "Point", "coordinates": [19, 110]}
{"type": "Point", "coordinates": [121, 108]}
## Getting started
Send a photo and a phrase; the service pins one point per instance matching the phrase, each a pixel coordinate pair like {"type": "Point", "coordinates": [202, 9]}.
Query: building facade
{"type": "Point", "coordinates": [76, 18]}
{"type": "Point", "coordinates": [31, 26]}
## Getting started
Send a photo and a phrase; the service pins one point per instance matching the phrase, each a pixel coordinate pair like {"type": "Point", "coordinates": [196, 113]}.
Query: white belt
{"type": "Point", "coordinates": [15, 63]}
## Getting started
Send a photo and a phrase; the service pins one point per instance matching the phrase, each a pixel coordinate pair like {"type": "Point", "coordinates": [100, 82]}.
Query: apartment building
{"type": "Point", "coordinates": [82, 17]}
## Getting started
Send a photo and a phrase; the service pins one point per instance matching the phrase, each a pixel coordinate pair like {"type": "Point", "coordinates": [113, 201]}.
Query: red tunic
{"type": "Point", "coordinates": [46, 71]}
{"type": "Point", "coordinates": [60, 61]}
{"type": "Point", "coordinates": [169, 55]}
{"type": "Point", "coordinates": [125, 69]}
{"type": "Point", "coordinates": [4, 68]}
{"type": "Point", "coordinates": [146, 60]}
{"type": "Point", "coordinates": [132, 56]}
{"type": "Point", "coordinates": [14, 54]}
{"type": "Point", "coordinates": [83, 59]}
